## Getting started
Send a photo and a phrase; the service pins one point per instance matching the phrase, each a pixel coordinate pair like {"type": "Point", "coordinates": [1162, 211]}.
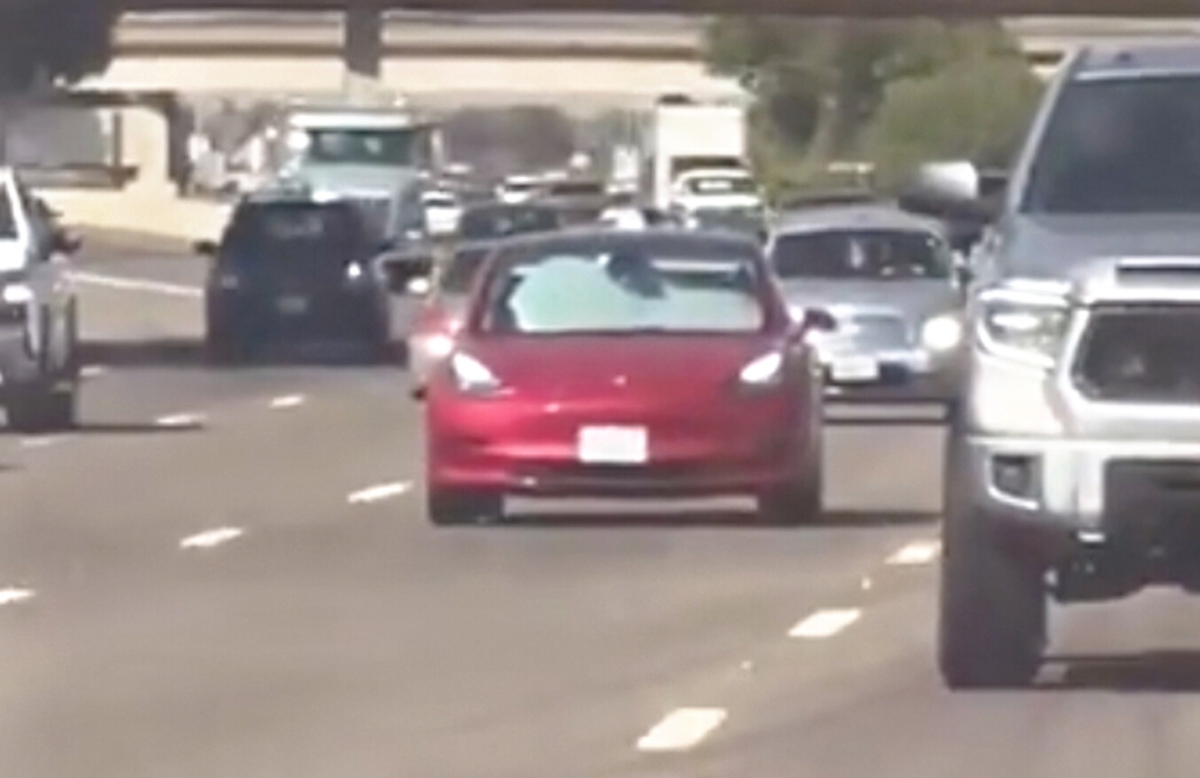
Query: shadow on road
{"type": "Point", "coordinates": [708, 519]}
{"type": "Point", "coordinates": [190, 353]}
{"type": "Point", "coordinates": [1149, 671]}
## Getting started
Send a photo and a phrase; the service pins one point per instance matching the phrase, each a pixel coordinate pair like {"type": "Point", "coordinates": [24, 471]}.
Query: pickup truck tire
{"type": "Point", "coordinates": [791, 506]}
{"type": "Point", "coordinates": [992, 604]}
{"type": "Point", "coordinates": [34, 410]}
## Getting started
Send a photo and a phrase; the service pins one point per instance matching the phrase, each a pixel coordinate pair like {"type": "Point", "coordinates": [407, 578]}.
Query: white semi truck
{"type": "Point", "coordinates": [686, 135]}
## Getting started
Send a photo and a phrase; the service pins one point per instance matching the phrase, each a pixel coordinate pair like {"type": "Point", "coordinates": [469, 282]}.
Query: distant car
{"type": "Point", "coordinates": [518, 189]}
{"type": "Point", "coordinates": [492, 221]}
{"type": "Point", "coordinates": [445, 296]}
{"type": "Point", "coordinates": [577, 201]}
{"type": "Point", "coordinates": [39, 313]}
{"type": "Point", "coordinates": [889, 279]}
{"type": "Point", "coordinates": [608, 363]}
{"type": "Point", "coordinates": [442, 311]}
{"type": "Point", "coordinates": [442, 212]}
{"type": "Point", "coordinates": [287, 269]}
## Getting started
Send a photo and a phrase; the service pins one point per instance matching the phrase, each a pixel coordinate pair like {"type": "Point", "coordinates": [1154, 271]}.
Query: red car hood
{"type": "Point", "coordinates": [682, 366]}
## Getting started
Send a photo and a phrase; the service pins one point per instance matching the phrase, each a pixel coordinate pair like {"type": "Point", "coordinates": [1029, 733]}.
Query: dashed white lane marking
{"type": "Point", "coordinates": [825, 623]}
{"type": "Point", "coordinates": [138, 285]}
{"type": "Point", "coordinates": [287, 401]}
{"type": "Point", "coordinates": [11, 596]}
{"type": "Point", "coordinates": [42, 441]}
{"type": "Point", "coordinates": [682, 729]}
{"type": "Point", "coordinates": [210, 538]}
{"type": "Point", "coordinates": [91, 371]}
{"type": "Point", "coordinates": [921, 552]}
{"type": "Point", "coordinates": [180, 420]}
{"type": "Point", "coordinates": [378, 492]}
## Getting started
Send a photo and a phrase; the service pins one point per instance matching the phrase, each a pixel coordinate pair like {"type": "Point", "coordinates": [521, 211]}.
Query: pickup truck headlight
{"type": "Point", "coordinates": [1022, 326]}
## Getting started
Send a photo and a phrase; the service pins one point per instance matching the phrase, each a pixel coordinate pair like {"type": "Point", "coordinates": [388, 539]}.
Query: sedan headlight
{"type": "Point", "coordinates": [354, 272]}
{"type": "Point", "coordinates": [1024, 327]}
{"type": "Point", "coordinates": [942, 333]}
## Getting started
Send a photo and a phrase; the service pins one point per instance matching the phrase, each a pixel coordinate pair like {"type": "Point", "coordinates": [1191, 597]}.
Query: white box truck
{"type": "Point", "coordinates": [686, 135]}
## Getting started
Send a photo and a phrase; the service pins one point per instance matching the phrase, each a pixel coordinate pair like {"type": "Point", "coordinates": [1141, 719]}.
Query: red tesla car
{"type": "Point", "coordinates": [602, 363]}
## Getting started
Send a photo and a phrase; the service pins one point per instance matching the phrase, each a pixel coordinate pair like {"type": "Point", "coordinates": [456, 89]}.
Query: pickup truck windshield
{"type": "Point", "coordinates": [1112, 146]}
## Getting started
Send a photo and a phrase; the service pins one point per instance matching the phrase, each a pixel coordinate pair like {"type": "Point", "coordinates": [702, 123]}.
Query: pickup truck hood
{"type": "Point", "coordinates": [1054, 246]}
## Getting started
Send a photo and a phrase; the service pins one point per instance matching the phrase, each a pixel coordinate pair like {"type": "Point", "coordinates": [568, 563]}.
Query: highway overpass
{"type": "Point", "coordinates": [584, 61]}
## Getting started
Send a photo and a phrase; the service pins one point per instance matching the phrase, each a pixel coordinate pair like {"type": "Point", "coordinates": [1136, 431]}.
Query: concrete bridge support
{"type": "Point", "coordinates": [362, 53]}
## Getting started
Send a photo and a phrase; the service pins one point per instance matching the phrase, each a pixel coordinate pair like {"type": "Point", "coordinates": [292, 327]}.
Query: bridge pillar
{"type": "Point", "coordinates": [362, 53]}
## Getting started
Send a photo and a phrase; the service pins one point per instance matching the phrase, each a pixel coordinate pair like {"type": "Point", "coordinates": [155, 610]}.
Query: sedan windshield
{"type": "Point", "coordinates": [868, 254]}
{"type": "Point", "coordinates": [625, 289]}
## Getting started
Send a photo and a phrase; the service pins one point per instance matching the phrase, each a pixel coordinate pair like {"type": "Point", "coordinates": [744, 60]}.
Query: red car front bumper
{"type": "Point", "coordinates": [747, 446]}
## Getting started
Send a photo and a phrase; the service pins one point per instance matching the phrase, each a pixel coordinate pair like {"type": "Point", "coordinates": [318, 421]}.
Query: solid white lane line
{"type": "Point", "coordinates": [378, 492]}
{"type": "Point", "coordinates": [210, 538]}
{"type": "Point", "coordinates": [825, 623]}
{"type": "Point", "coordinates": [681, 729]}
{"type": "Point", "coordinates": [138, 285]}
{"type": "Point", "coordinates": [180, 420]}
{"type": "Point", "coordinates": [287, 401]}
{"type": "Point", "coordinates": [920, 552]}
{"type": "Point", "coordinates": [91, 371]}
{"type": "Point", "coordinates": [11, 596]}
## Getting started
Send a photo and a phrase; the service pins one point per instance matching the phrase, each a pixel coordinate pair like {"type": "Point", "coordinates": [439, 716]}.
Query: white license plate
{"type": "Point", "coordinates": [613, 445]}
{"type": "Point", "coordinates": [854, 369]}
{"type": "Point", "coordinates": [292, 305]}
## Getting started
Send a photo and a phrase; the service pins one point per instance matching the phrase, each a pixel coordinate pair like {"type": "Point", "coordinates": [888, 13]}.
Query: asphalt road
{"type": "Point", "coordinates": [227, 573]}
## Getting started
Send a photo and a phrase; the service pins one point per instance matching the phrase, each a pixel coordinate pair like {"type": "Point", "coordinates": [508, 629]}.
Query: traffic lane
{"type": "Point", "coordinates": [325, 615]}
{"type": "Point", "coordinates": [142, 259]}
{"type": "Point", "coordinates": [144, 358]}
{"type": "Point", "coordinates": [1113, 699]}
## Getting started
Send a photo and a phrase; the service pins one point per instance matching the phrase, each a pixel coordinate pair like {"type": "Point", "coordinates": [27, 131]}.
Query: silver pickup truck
{"type": "Point", "coordinates": [1073, 466]}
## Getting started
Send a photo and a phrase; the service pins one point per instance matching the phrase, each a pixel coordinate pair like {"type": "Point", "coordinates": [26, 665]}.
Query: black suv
{"type": "Point", "coordinates": [288, 268]}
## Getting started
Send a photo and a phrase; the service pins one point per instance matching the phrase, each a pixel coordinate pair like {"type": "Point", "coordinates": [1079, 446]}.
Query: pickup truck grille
{"type": "Point", "coordinates": [1141, 354]}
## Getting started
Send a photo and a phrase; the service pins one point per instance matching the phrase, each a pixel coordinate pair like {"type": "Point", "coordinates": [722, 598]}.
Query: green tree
{"type": "Point", "coordinates": [979, 110]}
{"type": "Point", "coordinates": [48, 41]}
{"type": "Point", "coordinates": [819, 82]}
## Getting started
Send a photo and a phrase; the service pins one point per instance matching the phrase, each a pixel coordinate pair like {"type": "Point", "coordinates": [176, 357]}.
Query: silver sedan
{"type": "Point", "coordinates": [890, 281]}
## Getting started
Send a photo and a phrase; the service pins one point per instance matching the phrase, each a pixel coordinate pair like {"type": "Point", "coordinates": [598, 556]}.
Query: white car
{"type": "Point", "coordinates": [715, 189]}
{"type": "Point", "coordinates": [442, 212]}
{"type": "Point", "coordinates": [518, 189]}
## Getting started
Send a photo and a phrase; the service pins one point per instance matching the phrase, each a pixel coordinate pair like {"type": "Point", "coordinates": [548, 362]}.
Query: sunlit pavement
{"type": "Point", "coordinates": [228, 573]}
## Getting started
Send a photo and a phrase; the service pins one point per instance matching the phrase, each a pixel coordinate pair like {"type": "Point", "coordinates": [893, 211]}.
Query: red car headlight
{"type": "Point", "coordinates": [472, 376]}
{"type": "Point", "coordinates": [762, 371]}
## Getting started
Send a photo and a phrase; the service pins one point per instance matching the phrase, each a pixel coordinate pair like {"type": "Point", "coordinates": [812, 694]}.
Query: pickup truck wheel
{"type": "Point", "coordinates": [791, 505]}
{"type": "Point", "coordinates": [992, 609]}
{"type": "Point", "coordinates": [448, 507]}
{"type": "Point", "coordinates": [37, 410]}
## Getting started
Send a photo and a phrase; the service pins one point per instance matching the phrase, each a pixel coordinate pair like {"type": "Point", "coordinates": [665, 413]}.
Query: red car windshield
{"type": "Point", "coordinates": [625, 290]}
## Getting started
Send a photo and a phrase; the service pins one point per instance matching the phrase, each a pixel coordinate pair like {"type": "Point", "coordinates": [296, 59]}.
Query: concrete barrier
{"type": "Point", "coordinates": [136, 217]}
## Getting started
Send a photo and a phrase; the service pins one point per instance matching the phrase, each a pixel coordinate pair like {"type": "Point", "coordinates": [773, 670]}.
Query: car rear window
{"type": "Point", "coordinates": [575, 189]}
{"type": "Point", "coordinates": [295, 226]}
{"type": "Point", "coordinates": [626, 288]}
{"type": "Point", "coordinates": [490, 223]}
{"type": "Point", "coordinates": [862, 254]}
